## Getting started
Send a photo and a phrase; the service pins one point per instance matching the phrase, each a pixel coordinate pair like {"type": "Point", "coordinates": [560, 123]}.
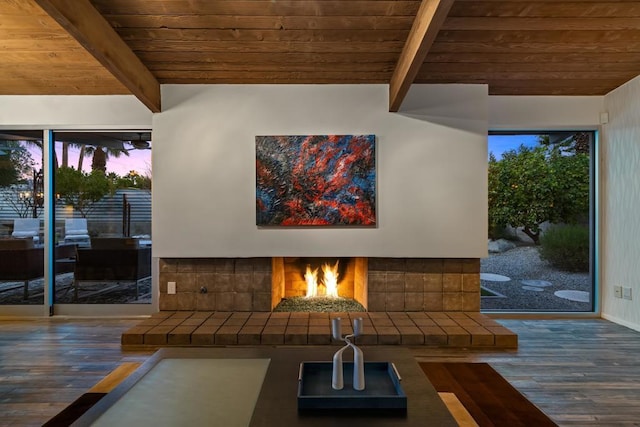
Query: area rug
{"type": "Point", "coordinates": [82, 404]}
{"type": "Point", "coordinates": [486, 395]}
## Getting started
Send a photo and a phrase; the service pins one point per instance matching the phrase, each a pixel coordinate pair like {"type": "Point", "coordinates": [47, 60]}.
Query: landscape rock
{"type": "Point", "coordinates": [500, 245]}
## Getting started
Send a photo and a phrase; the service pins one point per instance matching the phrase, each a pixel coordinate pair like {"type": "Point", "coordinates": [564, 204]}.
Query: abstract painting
{"type": "Point", "coordinates": [316, 180]}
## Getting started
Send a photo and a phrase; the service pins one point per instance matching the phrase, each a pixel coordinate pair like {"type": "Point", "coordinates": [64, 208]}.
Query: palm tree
{"type": "Point", "coordinates": [65, 151]}
{"type": "Point", "coordinates": [65, 154]}
{"type": "Point", "coordinates": [99, 156]}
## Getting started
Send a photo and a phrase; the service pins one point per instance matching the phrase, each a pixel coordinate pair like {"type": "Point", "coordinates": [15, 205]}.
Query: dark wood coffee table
{"type": "Point", "coordinates": [276, 403]}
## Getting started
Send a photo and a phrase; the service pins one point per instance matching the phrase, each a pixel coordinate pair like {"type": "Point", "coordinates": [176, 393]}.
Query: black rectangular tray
{"type": "Point", "coordinates": [382, 387]}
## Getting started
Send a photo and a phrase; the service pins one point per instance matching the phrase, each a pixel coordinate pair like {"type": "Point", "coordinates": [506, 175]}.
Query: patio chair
{"type": "Point", "coordinates": [21, 260]}
{"type": "Point", "coordinates": [26, 228]}
{"type": "Point", "coordinates": [75, 232]}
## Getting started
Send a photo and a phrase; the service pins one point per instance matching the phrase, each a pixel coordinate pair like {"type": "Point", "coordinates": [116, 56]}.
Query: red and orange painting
{"type": "Point", "coordinates": [316, 180]}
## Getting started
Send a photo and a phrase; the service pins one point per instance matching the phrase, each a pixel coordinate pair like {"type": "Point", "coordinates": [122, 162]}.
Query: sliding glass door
{"type": "Point", "coordinates": [75, 222]}
{"type": "Point", "coordinates": [103, 217]}
{"type": "Point", "coordinates": [22, 237]}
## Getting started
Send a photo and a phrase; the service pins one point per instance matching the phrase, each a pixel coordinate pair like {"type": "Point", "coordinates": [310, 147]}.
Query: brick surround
{"type": "Point", "coordinates": [393, 284]}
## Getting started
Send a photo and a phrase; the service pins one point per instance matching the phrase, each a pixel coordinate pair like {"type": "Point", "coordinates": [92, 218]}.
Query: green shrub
{"type": "Point", "coordinates": [566, 247]}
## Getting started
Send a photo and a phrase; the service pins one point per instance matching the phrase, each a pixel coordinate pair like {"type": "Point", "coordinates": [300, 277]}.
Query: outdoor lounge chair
{"type": "Point", "coordinates": [26, 228]}
{"type": "Point", "coordinates": [21, 261]}
{"type": "Point", "coordinates": [75, 232]}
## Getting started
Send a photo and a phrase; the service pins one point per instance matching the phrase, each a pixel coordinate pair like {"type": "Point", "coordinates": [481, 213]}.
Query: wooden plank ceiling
{"type": "Point", "coordinates": [38, 57]}
{"type": "Point", "coordinates": [517, 47]}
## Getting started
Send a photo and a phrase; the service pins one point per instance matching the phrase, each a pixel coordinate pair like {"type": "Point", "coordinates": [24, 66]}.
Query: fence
{"type": "Point", "coordinates": [107, 218]}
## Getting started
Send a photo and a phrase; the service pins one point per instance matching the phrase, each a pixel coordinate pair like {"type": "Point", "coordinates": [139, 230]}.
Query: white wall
{"type": "Point", "coordinates": [431, 169]}
{"type": "Point", "coordinates": [544, 112]}
{"type": "Point", "coordinates": [73, 112]}
{"type": "Point", "coordinates": [621, 204]}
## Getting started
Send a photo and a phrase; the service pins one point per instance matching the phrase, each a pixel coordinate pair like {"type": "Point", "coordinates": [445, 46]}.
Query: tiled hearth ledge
{"type": "Point", "coordinates": [199, 328]}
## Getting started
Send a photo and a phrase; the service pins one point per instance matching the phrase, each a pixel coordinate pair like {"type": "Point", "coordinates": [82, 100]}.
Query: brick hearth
{"type": "Point", "coordinates": [409, 301]}
{"type": "Point", "coordinates": [200, 328]}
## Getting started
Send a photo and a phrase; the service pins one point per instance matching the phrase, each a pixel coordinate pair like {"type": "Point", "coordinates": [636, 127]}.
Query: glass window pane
{"type": "Point", "coordinates": [540, 223]}
{"type": "Point", "coordinates": [21, 223]}
{"type": "Point", "coordinates": [103, 217]}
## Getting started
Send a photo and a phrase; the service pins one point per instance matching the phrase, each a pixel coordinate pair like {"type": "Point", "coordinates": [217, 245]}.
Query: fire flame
{"type": "Point", "coordinates": [330, 280]}
{"type": "Point", "coordinates": [311, 277]}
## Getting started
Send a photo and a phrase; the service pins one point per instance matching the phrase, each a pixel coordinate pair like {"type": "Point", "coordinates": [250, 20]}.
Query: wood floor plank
{"type": "Point", "coordinates": [462, 416]}
{"type": "Point", "coordinates": [115, 377]}
{"type": "Point", "coordinates": [46, 364]}
{"type": "Point", "coordinates": [444, 380]}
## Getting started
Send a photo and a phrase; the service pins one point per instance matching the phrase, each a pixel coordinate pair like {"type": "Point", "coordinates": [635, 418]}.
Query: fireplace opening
{"type": "Point", "coordinates": [319, 284]}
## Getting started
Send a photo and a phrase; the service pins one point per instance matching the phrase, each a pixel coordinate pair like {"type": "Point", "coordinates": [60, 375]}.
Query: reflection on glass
{"type": "Point", "coordinates": [21, 208]}
{"type": "Point", "coordinates": [103, 212]}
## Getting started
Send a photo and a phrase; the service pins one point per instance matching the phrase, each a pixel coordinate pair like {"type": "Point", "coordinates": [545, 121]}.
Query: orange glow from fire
{"type": "Point", "coordinates": [330, 280]}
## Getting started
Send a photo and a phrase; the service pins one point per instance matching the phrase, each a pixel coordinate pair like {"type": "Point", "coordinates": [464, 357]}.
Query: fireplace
{"type": "Point", "coordinates": [258, 284]}
{"type": "Point", "coordinates": [291, 277]}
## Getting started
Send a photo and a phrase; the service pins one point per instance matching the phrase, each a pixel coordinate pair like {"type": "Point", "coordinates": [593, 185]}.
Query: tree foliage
{"type": "Point", "coordinates": [82, 190]}
{"type": "Point", "coordinates": [134, 180]}
{"type": "Point", "coordinates": [16, 163]}
{"type": "Point", "coordinates": [16, 177]}
{"type": "Point", "coordinates": [530, 186]}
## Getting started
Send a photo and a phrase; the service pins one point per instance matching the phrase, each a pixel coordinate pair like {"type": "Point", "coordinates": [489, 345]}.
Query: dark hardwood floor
{"type": "Point", "coordinates": [46, 364]}
{"type": "Point", "coordinates": [579, 372]}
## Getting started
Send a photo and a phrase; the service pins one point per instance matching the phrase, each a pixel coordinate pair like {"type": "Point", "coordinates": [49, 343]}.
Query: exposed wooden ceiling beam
{"type": "Point", "coordinates": [429, 19]}
{"type": "Point", "coordinates": [83, 22]}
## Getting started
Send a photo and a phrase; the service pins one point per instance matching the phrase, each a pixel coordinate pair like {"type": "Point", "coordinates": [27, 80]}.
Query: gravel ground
{"type": "Point", "coordinates": [524, 263]}
{"type": "Point", "coordinates": [324, 304]}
